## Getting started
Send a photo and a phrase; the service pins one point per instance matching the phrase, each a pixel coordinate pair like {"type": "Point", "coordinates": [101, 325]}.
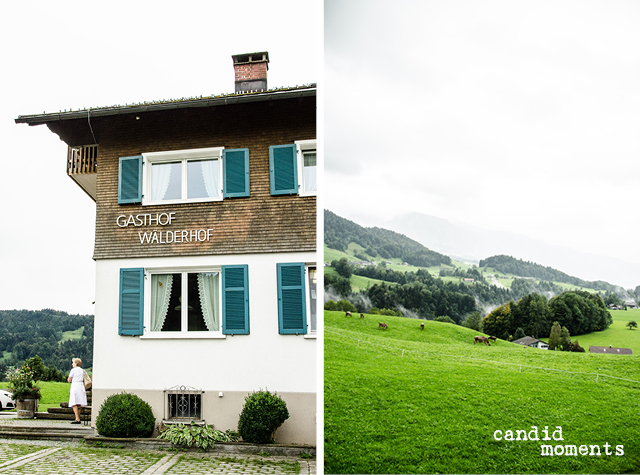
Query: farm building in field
{"type": "Point", "coordinates": [205, 248]}
{"type": "Point", "coordinates": [610, 350]}
{"type": "Point", "coordinates": [532, 342]}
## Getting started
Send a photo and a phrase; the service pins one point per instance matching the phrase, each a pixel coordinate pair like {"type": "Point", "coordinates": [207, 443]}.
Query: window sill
{"type": "Point", "coordinates": [182, 336]}
{"type": "Point", "coordinates": [180, 201]}
{"type": "Point", "coordinates": [310, 336]}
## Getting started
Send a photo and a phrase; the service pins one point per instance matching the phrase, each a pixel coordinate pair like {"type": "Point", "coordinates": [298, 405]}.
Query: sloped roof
{"type": "Point", "coordinates": [184, 102]}
{"type": "Point", "coordinates": [527, 341]}
{"type": "Point", "coordinates": [610, 350]}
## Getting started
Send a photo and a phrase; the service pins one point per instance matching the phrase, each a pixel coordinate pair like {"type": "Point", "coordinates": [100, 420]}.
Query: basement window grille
{"type": "Point", "coordinates": [183, 404]}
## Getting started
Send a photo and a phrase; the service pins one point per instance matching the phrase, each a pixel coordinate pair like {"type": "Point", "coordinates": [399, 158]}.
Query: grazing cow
{"type": "Point", "coordinates": [362, 315]}
{"type": "Point", "coordinates": [382, 325]}
{"type": "Point", "coordinates": [347, 313]}
{"type": "Point", "coordinates": [481, 339]}
{"type": "Point", "coordinates": [422, 326]}
{"type": "Point", "coordinates": [493, 338]}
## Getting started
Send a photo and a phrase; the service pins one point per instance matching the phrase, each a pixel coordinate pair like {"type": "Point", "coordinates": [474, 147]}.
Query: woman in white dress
{"type": "Point", "coordinates": [77, 396]}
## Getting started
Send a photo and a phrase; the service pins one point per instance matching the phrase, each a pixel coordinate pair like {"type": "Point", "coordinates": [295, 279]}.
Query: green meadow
{"type": "Point", "coordinates": [406, 400]}
{"type": "Point", "coordinates": [618, 334]}
{"type": "Point", "coordinates": [52, 394]}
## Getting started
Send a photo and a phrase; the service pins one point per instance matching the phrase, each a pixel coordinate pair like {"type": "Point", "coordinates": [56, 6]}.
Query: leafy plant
{"type": "Point", "coordinates": [125, 415]}
{"type": "Point", "coordinates": [202, 436]}
{"type": "Point", "coordinates": [262, 414]}
{"type": "Point", "coordinates": [21, 383]}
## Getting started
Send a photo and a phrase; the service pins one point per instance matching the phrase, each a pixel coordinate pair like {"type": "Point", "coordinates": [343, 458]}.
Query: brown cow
{"type": "Point", "coordinates": [481, 339]}
{"type": "Point", "coordinates": [362, 315]}
{"type": "Point", "coordinates": [347, 313]}
{"type": "Point", "coordinates": [382, 325]}
{"type": "Point", "coordinates": [493, 338]}
{"type": "Point", "coordinates": [422, 326]}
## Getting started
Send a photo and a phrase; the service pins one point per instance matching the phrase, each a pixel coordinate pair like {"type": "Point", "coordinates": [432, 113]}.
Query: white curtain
{"type": "Point", "coordinates": [208, 288]}
{"type": "Point", "coordinates": [309, 170]}
{"type": "Point", "coordinates": [160, 295]}
{"type": "Point", "coordinates": [160, 176]}
{"type": "Point", "coordinates": [211, 176]}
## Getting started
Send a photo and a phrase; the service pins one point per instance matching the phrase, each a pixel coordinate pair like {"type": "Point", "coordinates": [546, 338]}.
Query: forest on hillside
{"type": "Point", "coordinates": [421, 295]}
{"type": "Point", "coordinates": [27, 333]}
{"type": "Point", "coordinates": [378, 242]}
{"type": "Point", "coordinates": [511, 265]}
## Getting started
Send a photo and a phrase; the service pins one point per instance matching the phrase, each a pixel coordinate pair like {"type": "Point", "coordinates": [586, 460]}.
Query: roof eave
{"type": "Point", "coordinates": [39, 119]}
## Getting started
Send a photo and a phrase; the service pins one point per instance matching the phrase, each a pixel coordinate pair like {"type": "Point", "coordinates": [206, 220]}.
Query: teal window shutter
{"type": "Point", "coordinates": [235, 172]}
{"type": "Point", "coordinates": [131, 301]}
{"type": "Point", "coordinates": [235, 300]}
{"type": "Point", "coordinates": [130, 180]}
{"type": "Point", "coordinates": [283, 169]}
{"type": "Point", "coordinates": [292, 311]}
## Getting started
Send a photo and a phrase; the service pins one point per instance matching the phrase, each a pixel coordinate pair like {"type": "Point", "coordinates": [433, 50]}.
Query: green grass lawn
{"type": "Point", "coordinates": [618, 334]}
{"type": "Point", "coordinates": [72, 334]}
{"type": "Point", "coordinates": [435, 407]}
{"type": "Point", "coordinates": [52, 394]}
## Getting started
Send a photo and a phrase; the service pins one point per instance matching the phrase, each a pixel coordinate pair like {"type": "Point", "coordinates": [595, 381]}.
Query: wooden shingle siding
{"type": "Point", "coordinates": [258, 223]}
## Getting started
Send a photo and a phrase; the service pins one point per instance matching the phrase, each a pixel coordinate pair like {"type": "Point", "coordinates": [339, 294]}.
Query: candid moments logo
{"type": "Point", "coordinates": [555, 448]}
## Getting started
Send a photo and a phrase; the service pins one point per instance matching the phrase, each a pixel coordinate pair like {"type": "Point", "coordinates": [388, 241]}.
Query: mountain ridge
{"type": "Point", "coordinates": [446, 236]}
{"type": "Point", "coordinates": [468, 243]}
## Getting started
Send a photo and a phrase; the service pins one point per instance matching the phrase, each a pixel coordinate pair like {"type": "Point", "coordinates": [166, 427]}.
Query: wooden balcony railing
{"type": "Point", "coordinates": [82, 160]}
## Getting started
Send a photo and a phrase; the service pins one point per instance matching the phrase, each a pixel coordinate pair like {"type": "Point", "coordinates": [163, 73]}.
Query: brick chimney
{"type": "Point", "coordinates": [251, 71]}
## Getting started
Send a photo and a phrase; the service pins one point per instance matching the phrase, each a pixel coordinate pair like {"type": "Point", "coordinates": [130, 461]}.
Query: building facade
{"type": "Point", "coordinates": [205, 249]}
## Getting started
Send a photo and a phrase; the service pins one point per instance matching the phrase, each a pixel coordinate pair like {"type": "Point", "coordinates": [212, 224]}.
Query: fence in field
{"type": "Point", "coordinates": [412, 352]}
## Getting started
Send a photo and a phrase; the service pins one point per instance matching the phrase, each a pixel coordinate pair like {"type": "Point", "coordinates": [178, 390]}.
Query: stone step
{"type": "Point", "coordinates": [66, 404]}
{"type": "Point", "coordinates": [68, 410]}
{"type": "Point", "coordinates": [84, 416]}
{"type": "Point", "coordinates": [37, 432]}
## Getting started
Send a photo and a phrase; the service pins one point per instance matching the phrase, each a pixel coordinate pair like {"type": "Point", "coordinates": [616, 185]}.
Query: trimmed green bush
{"type": "Point", "coordinates": [125, 415]}
{"type": "Point", "coordinates": [262, 414]}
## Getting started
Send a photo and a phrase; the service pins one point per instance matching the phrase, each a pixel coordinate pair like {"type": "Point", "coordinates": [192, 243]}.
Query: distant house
{"type": "Point", "coordinates": [631, 304]}
{"type": "Point", "coordinates": [532, 342]}
{"type": "Point", "coordinates": [612, 350]}
{"type": "Point", "coordinates": [467, 279]}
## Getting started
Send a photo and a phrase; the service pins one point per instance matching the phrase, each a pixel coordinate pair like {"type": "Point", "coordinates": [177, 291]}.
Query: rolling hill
{"type": "Point", "coordinates": [53, 335]}
{"type": "Point", "coordinates": [406, 400]}
{"type": "Point", "coordinates": [339, 233]}
{"type": "Point", "coordinates": [344, 238]}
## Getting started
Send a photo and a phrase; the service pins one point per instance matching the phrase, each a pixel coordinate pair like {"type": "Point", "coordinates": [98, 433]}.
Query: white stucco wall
{"type": "Point", "coordinates": [264, 359]}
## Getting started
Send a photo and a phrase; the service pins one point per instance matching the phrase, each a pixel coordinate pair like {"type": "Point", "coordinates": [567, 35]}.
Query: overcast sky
{"type": "Point", "coordinates": [69, 55]}
{"type": "Point", "coordinates": [509, 115]}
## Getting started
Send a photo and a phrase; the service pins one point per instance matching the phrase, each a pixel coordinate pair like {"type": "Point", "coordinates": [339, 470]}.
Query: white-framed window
{"type": "Point", "coordinates": [193, 175]}
{"type": "Point", "coordinates": [183, 303]}
{"type": "Point", "coordinates": [307, 167]}
{"type": "Point", "coordinates": [311, 276]}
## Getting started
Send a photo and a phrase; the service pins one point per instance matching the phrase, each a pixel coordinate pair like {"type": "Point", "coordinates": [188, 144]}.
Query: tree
{"type": "Point", "coordinates": [565, 339]}
{"type": "Point", "coordinates": [580, 311]}
{"type": "Point", "coordinates": [575, 346]}
{"type": "Point", "coordinates": [554, 337]}
{"type": "Point", "coordinates": [342, 267]}
{"type": "Point", "coordinates": [632, 324]}
{"type": "Point", "coordinates": [519, 334]}
{"type": "Point", "coordinates": [342, 285]}
{"type": "Point", "coordinates": [473, 321]}
{"type": "Point", "coordinates": [532, 314]}
{"type": "Point", "coordinates": [498, 322]}
{"type": "Point", "coordinates": [37, 366]}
